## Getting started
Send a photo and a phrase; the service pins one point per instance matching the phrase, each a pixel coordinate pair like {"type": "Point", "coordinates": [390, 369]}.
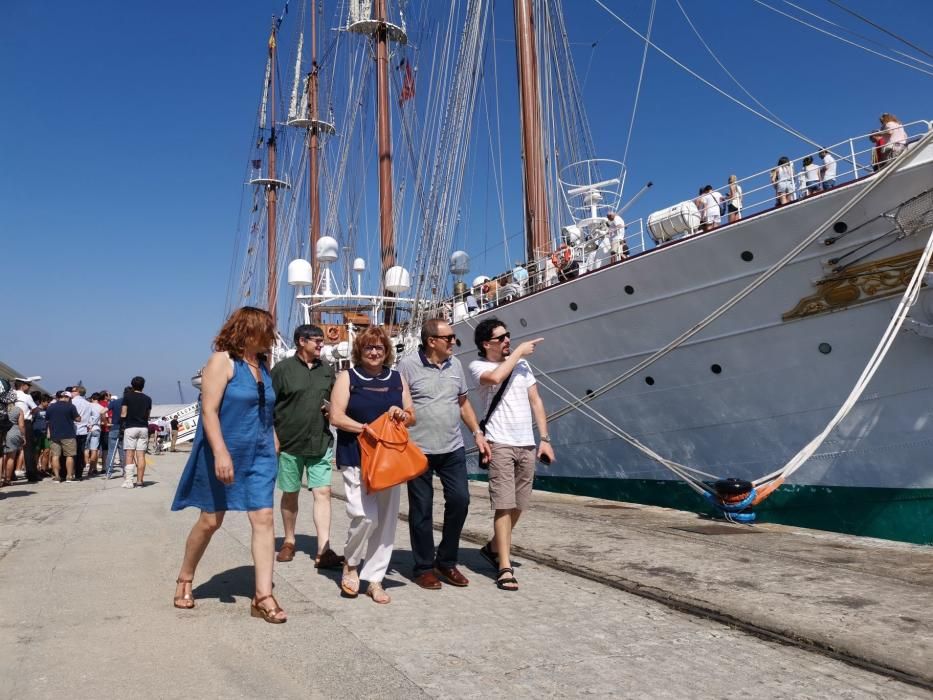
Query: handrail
{"type": "Point", "coordinates": [853, 161]}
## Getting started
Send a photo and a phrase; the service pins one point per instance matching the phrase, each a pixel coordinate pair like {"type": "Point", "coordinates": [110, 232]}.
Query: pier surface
{"type": "Point", "coordinates": [615, 600]}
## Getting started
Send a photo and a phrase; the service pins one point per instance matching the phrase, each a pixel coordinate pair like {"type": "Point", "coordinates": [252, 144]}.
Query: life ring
{"type": "Point", "coordinates": [562, 256]}
{"type": "Point", "coordinates": [332, 334]}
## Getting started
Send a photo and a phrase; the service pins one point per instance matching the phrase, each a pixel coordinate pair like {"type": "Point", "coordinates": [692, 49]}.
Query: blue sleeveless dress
{"type": "Point", "coordinates": [247, 426]}
{"type": "Point", "coordinates": [370, 397]}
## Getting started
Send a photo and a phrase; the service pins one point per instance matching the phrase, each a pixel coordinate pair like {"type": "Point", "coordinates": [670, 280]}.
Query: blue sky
{"type": "Point", "coordinates": [127, 127]}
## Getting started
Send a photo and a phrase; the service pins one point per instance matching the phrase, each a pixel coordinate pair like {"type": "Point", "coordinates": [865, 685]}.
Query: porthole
{"type": "Point", "coordinates": [629, 289]}
{"type": "Point", "coordinates": [716, 369]}
{"type": "Point", "coordinates": [573, 306]}
{"type": "Point", "coordinates": [589, 391]}
{"type": "Point", "coordinates": [840, 227]}
{"type": "Point", "coordinates": [649, 381]}
{"type": "Point", "coordinates": [523, 322]}
{"type": "Point", "coordinates": [825, 348]}
{"type": "Point", "coordinates": [458, 342]}
{"type": "Point", "coordinates": [747, 255]}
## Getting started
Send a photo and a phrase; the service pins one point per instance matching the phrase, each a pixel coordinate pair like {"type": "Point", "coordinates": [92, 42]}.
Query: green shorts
{"type": "Point", "coordinates": [292, 468]}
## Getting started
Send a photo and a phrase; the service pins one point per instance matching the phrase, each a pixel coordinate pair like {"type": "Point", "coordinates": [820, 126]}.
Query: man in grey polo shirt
{"type": "Point", "coordinates": [439, 391]}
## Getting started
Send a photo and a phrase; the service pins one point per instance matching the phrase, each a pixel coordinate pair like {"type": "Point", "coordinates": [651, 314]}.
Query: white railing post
{"type": "Point", "coordinates": [854, 161]}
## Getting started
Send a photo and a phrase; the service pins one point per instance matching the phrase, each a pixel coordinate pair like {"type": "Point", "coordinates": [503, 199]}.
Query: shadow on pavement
{"type": "Point", "coordinates": [4, 493]}
{"type": "Point", "coordinates": [227, 585]}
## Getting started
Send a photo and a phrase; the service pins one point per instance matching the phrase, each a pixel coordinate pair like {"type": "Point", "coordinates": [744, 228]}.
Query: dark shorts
{"type": "Point", "coordinates": [733, 209]}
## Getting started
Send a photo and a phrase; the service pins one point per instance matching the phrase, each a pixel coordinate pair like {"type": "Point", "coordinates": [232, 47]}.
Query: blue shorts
{"type": "Point", "coordinates": [93, 441]}
{"type": "Point", "coordinates": [813, 187]}
{"type": "Point", "coordinates": [828, 184]}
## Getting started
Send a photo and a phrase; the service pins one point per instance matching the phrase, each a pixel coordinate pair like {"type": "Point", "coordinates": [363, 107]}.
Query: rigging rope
{"type": "Point", "coordinates": [641, 77]}
{"type": "Point", "coordinates": [880, 28]}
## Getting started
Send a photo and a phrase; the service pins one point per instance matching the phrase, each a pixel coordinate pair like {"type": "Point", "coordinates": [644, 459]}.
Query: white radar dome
{"type": "Point", "coordinates": [359, 265]}
{"type": "Point", "coordinates": [459, 263]}
{"type": "Point", "coordinates": [299, 273]}
{"type": "Point", "coordinates": [327, 249]}
{"type": "Point", "coordinates": [398, 280]}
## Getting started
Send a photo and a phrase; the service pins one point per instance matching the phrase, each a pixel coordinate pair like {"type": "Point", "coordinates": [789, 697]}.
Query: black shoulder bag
{"type": "Point", "coordinates": [492, 407]}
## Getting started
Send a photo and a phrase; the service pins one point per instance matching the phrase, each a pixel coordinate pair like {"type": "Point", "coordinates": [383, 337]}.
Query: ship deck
{"type": "Point", "coordinates": [615, 599]}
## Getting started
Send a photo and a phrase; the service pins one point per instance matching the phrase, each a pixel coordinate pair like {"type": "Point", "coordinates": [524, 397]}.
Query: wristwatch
{"type": "Point", "coordinates": [477, 432]}
{"type": "Point", "coordinates": [545, 438]}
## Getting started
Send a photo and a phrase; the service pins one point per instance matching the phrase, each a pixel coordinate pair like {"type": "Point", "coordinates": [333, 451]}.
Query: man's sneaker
{"type": "Point", "coordinates": [128, 485]}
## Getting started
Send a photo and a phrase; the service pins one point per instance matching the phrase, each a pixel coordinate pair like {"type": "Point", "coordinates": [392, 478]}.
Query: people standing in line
{"type": "Point", "coordinates": [361, 395]}
{"type": "Point", "coordinates": [510, 431]}
{"type": "Point", "coordinates": [896, 137]}
{"type": "Point", "coordinates": [439, 389]}
{"type": "Point", "coordinates": [116, 437]}
{"type": "Point", "coordinates": [27, 460]}
{"type": "Point", "coordinates": [134, 418]}
{"type": "Point", "coordinates": [828, 170]}
{"type": "Point", "coordinates": [302, 386]}
{"type": "Point", "coordinates": [173, 427]}
{"type": "Point", "coordinates": [15, 437]}
{"type": "Point", "coordinates": [233, 463]}
{"type": "Point", "coordinates": [83, 407]}
{"type": "Point", "coordinates": [103, 401]}
{"type": "Point", "coordinates": [735, 200]}
{"type": "Point", "coordinates": [783, 179]}
{"type": "Point", "coordinates": [40, 428]}
{"type": "Point", "coordinates": [63, 420]}
{"type": "Point", "coordinates": [812, 176]}
{"type": "Point", "coordinates": [94, 428]}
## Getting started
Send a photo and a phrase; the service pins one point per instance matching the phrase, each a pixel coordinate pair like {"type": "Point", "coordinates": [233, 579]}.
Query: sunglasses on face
{"type": "Point", "coordinates": [449, 338]}
{"type": "Point", "coordinates": [500, 338]}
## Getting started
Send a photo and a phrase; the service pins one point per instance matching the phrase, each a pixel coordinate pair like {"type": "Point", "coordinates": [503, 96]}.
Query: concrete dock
{"type": "Point", "coordinates": [616, 600]}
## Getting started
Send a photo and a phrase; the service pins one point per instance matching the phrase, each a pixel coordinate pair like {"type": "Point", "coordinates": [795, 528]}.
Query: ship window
{"type": "Point", "coordinates": [458, 342]}
{"type": "Point", "coordinates": [716, 369]}
{"type": "Point", "coordinates": [649, 381]}
{"type": "Point", "coordinates": [825, 348]}
{"type": "Point", "coordinates": [840, 227]}
{"type": "Point", "coordinates": [523, 322]}
{"type": "Point", "coordinates": [573, 306]}
{"type": "Point", "coordinates": [629, 289]}
{"type": "Point", "coordinates": [747, 255]}
{"type": "Point", "coordinates": [589, 391]}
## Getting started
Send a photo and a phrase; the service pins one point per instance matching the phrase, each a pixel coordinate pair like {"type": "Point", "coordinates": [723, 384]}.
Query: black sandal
{"type": "Point", "coordinates": [503, 583]}
{"type": "Point", "coordinates": [489, 555]}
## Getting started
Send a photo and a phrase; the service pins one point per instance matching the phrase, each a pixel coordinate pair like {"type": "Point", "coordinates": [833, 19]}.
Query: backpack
{"type": "Point", "coordinates": [5, 423]}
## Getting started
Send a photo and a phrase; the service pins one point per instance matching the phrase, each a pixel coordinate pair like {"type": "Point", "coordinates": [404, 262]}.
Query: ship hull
{"type": "Point", "coordinates": [745, 394]}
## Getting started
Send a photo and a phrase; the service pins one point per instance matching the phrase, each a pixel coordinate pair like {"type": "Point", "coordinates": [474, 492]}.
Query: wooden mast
{"type": "Point", "coordinates": [537, 237]}
{"type": "Point", "coordinates": [314, 195]}
{"type": "Point", "coordinates": [272, 272]}
{"type": "Point", "coordinates": [386, 232]}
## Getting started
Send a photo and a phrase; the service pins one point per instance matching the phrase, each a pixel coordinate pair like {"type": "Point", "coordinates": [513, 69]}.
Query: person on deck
{"type": "Point", "coordinates": [302, 386]}
{"type": "Point", "coordinates": [439, 393]}
{"type": "Point", "coordinates": [361, 395]}
{"type": "Point", "coordinates": [232, 465]}
{"type": "Point", "coordinates": [509, 430]}
{"type": "Point", "coordinates": [735, 200]}
{"type": "Point", "coordinates": [828, 170]}
{"type": "Point", "coordinates": [896, 137]}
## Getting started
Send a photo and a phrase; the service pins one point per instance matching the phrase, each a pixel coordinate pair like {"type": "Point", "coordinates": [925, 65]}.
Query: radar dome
{"type": "Point", "coordinates": [397, 280]}
{"type": "Point", "coordinates": [359, 265]}
{"type": "Point", "coordinates": [299, 273]}
{"type": "Point", "coordinates": [327, 249]}
{"type": "Point", "coordinates": [459, 263]}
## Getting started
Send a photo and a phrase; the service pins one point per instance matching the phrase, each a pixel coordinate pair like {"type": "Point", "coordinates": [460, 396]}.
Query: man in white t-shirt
{"type": "Point", "coordinates": [27, 456]}
{"type": "Point", "coordinates": [510, 434]}
{"type": "Point", "coordinates": [84, 410]}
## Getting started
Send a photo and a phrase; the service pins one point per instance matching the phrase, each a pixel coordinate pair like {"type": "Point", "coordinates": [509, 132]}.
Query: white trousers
{"type": "Point", "coordinates": [373, 518]}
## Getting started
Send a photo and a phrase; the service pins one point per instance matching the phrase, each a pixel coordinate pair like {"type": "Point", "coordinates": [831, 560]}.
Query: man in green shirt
{"type": "Point", "coordinates": [302, 386]}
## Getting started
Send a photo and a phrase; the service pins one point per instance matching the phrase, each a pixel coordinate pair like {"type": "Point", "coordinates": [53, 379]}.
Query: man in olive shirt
{"type": "Point", "coordinates": [302, 386]}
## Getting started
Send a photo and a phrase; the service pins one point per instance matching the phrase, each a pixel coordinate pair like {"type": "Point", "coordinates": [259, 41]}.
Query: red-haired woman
{"type": "Point", "coordinates": [360, 395]}
{"type": "Point", "coordinates": [233, 459]}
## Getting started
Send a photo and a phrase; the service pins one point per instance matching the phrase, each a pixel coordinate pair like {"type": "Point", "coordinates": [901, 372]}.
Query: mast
{"type": "Point", "coordinates": [314, 195]}
{"type": "Point", "coordinates": [537, 237]}
{"type": "Point", "coordinates": [386, 232]}
{"type": "Point", "coordinates": [272, 288]}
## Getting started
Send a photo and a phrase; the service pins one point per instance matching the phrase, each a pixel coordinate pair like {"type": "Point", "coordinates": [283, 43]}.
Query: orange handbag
{"type": "Point", "coordinates": [388, 457]}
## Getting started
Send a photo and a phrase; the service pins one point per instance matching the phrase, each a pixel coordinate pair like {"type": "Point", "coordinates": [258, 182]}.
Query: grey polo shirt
{"type": "Point", "coordinates": [435, 391]}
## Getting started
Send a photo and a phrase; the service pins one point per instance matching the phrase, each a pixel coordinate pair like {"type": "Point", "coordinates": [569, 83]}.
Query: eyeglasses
{"type": "Point", "coordinates": [378, 349]}
{"type": "Point", "coordinates": [500, 338]}
{"type": "Point", "coordinates": [316, 340]}
{"type": "Point", "coordinates": [449, 338]}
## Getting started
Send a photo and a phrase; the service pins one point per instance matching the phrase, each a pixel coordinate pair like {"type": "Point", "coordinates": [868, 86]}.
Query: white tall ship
{"type": "Point", "coordinates": [795, 302]}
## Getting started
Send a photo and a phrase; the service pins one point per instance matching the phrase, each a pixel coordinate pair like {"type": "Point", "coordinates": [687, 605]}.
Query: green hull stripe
{"type": "Point", "coordinates": [891, 514]}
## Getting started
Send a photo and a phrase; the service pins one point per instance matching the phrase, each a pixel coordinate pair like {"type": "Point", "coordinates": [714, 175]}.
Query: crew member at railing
{"type": "Point", "coordinates": [735, 200]}
{"type": "Point", "coordinates": [618, 246]}
{"type": "Point", "coordinates": [897, 137]}
{"type": "Point", "coordinates": [828, 170]}
{"type": "Point", "coordinates": [711, 209]}
{"type": "Point", "coordinates": [782, 177]}
{"type": "Point", "coordinates": [520, 278]}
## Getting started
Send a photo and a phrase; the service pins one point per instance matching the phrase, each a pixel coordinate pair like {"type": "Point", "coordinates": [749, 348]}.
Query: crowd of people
{"type": "Point", "coordinates": [73, 436]}
{"type": "Point", "coordinates": [261, 428]}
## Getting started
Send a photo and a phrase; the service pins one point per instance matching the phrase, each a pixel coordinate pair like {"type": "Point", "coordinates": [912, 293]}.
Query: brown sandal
{"type": "Point", "coordinates": [268, 615]}
{"type": "Point", "coordinates": [287, 553]}
{"type": "Point", "coordinates": [187, 600]}
{"type": "Point", "coordinates": [328, 560]}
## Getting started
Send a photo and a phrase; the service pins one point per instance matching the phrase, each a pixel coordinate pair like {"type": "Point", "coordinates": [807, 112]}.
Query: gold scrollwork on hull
{"type": "Point", "coordinates": [858, 284]}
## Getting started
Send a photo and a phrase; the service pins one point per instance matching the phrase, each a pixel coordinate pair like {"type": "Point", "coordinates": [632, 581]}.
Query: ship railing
{"type": "Point", "coordinates": [856, 158]}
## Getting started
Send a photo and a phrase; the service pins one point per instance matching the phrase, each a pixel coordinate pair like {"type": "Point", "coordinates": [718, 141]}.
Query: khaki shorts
{"type": "Point", "coordinates": [65, 448]}
{"type": "Point", "coordinates": [511, 474]}
{"type": "Point", "coordinates": [136, 439]}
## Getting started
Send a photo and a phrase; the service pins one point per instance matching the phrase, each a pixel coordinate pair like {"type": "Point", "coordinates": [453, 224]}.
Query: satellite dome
{"type": "Point", "coordinates": [328, 250]}
{"type": "Point", "coordinates": [397, 280]}
{"type": "Point", "coordinates": [359, 265]}
{"type": "Point", "coordinates": [459, 263]}
{"type": "Point", "coordinates": [299, 273]}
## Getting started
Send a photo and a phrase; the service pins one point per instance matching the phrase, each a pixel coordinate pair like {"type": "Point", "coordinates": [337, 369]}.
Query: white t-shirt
{"type": "Point", "coordinates": [94, 417]}
{"type": "Point", "coordinates": [898, 135]}
{"type": "Point", "coordinates": [711, 213]}
{"type": "Point", "coordinates": [829, 167]}
{"type": "Point", "coordinates": [813, 172]}
{"type": "Point", "coordinates": [736, 199]}
{"type": "Point", "coordinates": [511, 423]}
{"type": "Point", "coordinates": [84, 410]}
{"type": "Point", "coordinates": [25, 403]}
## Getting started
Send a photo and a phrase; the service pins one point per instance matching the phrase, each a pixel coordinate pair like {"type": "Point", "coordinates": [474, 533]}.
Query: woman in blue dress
{"type": "Point", "coordinates": [233, 459]}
